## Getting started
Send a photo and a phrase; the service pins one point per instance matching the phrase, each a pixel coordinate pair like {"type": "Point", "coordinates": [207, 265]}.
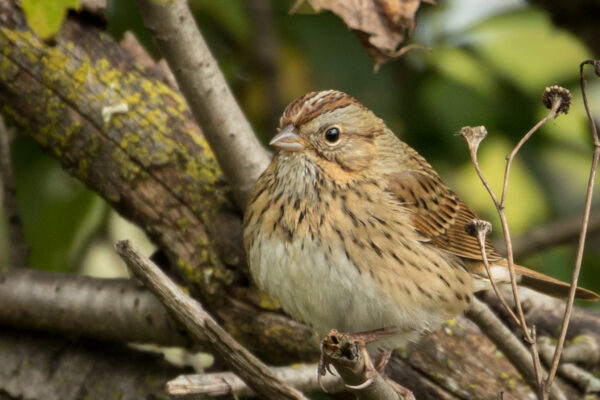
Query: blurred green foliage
{"type": "Point", "coordinates": [488, 64]}
{"type": "Point", "coordinates": [45, 17]}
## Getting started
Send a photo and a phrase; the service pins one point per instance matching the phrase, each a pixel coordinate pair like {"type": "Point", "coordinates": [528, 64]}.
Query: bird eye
{"type": "Point", "coordinates": [332, 135]}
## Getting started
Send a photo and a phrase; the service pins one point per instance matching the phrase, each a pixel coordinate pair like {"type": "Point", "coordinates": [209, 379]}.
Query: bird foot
{"type": "Point", "coordinates": [344, 349]}
{"type": "Point", "coordinates": [404, 393]}
{"type": "Point", "coordinates": [383, 357]}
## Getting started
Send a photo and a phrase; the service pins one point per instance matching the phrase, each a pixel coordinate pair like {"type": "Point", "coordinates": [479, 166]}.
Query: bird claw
{"type": "Point", "coordinates": [359, 341]}
{"type": "Point", "coordinates": [404, 393]}
{"type": "Point", "coordinates": [382, 360]}
{"type": "Point", "coordinates": [324, 365]}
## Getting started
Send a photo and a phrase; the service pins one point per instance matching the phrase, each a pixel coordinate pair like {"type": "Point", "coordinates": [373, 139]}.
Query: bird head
{"type": "Point", "coordinates": [331, 129]}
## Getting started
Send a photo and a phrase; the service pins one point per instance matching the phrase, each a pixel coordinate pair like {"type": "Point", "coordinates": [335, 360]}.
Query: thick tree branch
{"type": "Point", "coordinates": [240, 155]}
{"type": "Point", "coordinates": [202, 327]}
{"type": "Point", "coordinates": [150, 163]}
{"type": "Point", "coordinates": [39, 366]}
{"type": "Point", "coordinates": [111, 309]}
{"type": "Point", "coordinates": [507, 342]}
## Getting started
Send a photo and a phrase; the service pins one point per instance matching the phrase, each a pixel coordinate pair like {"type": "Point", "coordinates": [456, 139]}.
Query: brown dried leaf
{"type": "Point", "coordinates": [382, 26]}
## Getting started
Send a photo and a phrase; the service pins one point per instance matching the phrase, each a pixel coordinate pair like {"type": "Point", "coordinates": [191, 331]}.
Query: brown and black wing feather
{"type": "Point", "coordinates": [442, 218]}
{"type": "Point", "coordinates": [439, 214]}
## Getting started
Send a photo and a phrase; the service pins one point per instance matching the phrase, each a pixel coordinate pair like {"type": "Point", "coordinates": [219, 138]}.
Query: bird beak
{"type": "Point", "coordinates": [287, 139]}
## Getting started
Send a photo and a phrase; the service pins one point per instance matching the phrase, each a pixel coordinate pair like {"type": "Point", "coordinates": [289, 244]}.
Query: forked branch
{"type": "Point", "coordinates": [558, 100]}
{"type": "Point", "coordinates": [203, 328]}
{"type": "Point", "coordinates": [584, 225]}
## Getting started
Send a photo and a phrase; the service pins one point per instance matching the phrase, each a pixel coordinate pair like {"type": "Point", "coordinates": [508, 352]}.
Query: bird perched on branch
{"type": "Point", "coordinates": [350, 228]}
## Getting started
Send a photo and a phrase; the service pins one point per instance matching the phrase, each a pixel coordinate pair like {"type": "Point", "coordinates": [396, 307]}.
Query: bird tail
{"type": "Point", "coordinates": [551, 286]}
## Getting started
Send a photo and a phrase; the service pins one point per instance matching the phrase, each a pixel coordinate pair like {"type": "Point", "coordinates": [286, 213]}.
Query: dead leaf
{"type": "Point", "coordinates": [382, 26]}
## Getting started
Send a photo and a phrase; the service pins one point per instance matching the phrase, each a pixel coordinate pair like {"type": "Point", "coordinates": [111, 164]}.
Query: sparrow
{"type": "Point", "coordinates": [349, 228]}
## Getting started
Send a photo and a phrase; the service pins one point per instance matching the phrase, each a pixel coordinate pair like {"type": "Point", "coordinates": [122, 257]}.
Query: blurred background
{"type": "Point", "coordinates": [488, 64]}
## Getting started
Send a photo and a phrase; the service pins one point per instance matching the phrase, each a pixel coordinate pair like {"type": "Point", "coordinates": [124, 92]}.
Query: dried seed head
{"type": "Point", "coordinates": [475, 226]}
{"type": "Point", "coordinates": [552, 94]}
{"type": "Point", "coordinates": [473, 135]}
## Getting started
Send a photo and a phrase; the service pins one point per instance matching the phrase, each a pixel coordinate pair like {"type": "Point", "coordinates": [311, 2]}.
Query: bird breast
{"type": "Point", "coordinates": [346, 256]}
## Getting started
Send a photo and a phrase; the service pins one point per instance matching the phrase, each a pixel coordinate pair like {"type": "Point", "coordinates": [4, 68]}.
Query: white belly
{"type": "Point", "coordinates": [331, 293]}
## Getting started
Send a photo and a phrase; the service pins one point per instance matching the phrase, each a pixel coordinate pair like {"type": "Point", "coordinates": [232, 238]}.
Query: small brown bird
{"type": "Point", "coordinates": [350, 228]}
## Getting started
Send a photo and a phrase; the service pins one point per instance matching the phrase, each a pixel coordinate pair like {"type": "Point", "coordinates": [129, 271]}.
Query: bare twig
{"type": "Point", "coordinates": [19, 251]}
{"type": "Point", "coordinates": [482, 229]}
{"type": "Point", "coordinates": [558, 100]}
{"type": "Point", "coordinates": [302, 377]}
{"type": "Point", "coordinates": [584, 225]}
{"type": "Point", "coordinates": [503, 338]}
{"type": "Point", "coordinates": [203, 328]}
{"type": "Point", "coordinates": [238, 151]}
{"type": "Point", "coordinates": [586, 381]}
{"type": "Point", "coordinates": [474, 136]}
{"type": "Point", "coordinates": [109, 309]}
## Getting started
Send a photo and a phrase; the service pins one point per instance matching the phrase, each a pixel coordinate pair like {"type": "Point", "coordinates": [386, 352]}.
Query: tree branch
{"type": "Point", "coordinates": [506, 341]}
{"type": "Point", "coordinates": [302, 377]}
{"type": "Point", "coordinates": [584, 225]}
{"type": "Point", "coordinates": [564, 230]}
{"type": "Point", "coordinates": [111, 309]}
{"type": "Point", "coordinates": [19, 251]}
{"type": "Point", "coordinates": [240, 154]}
{"type": "Point", "coordinates": [202, 327]}
{"type": "Point", "coordinates": [586, 381]}
{"type": "Point", "coordinates": [150, 163]}
{"type": "Point", "coordinates": [40, 366]}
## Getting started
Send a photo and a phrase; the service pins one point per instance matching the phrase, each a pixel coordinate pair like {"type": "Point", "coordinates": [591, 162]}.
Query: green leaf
{"type": "Point", "coordinates": [46, 16]}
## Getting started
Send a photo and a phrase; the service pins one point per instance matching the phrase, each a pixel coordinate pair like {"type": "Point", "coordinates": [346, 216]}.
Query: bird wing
{"type": "Point", "coordinates": [441, 217]}
{"type": "Point", "coordinates": [439, 214]}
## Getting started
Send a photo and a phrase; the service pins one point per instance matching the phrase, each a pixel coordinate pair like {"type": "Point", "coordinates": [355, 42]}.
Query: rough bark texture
{"type": "Point", "coordinates": [203, 328]}
{"type": "Point", "coordinates": [151, 163]}
{"type": "Point", "coordinates": [119, 310]}
{"type": "Point", "coordinates": [211, 101]}
{"type": "Point", "coordinates": [40, 366]}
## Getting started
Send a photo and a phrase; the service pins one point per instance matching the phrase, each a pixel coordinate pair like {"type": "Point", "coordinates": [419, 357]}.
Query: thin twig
{"type": "Point", "coordinates": [482, 229]}
{"type": "Point", "coordinates": [559, 100]}
{"type": "Point", "coordinates": [584, 225]}
{"type": "Point", "coordinates": [19, 251]}
{"type": "Point", "coordinates": [474, 136]}
{"type": "Point", "coordinates": [501, 211]}
{"type": "Point", "coordinates": [240, 154]}
{"type": "Point", "coordinates": [203, 328]}
{"type": "Point", "coordinates": [302, 377]}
